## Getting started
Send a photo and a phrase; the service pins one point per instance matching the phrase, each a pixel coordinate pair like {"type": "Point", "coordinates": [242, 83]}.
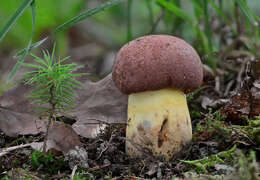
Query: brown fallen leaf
{"type": "Point", "coordinates": [238, 108]}
{"type": "Point", "coordinates": [99, 103]}
{"type": "Point", "coordinates": [16, 98]}
{"type": "Point", "coordinates": [243, 104]}
{"type": "Point", "coordinates": [213, 103]}
{"type": "Point", "coordinates": [62, 137]}
{"type": "Point", "coordinates": [22, 174]}
{"type": "Point", "coordinates": [14, 123]}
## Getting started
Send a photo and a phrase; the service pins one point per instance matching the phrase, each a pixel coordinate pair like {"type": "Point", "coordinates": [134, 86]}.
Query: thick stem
{"type": "Point", "coordinates": [158, 121]}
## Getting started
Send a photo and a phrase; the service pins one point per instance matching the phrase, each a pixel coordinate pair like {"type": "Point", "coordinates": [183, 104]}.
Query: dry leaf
{"type": "Point", "coordinates": [213, 103]}
{"type": "Point", "coordinates": [100, 103]}
{"type": "Point", "coordinates": [14, 123]}
{"type": "Point", "coordinates": [16, 98]}
{"type": "Point", "coordinates": [237, 108]}
{"type": "Point", "coordinates": [62, 137]}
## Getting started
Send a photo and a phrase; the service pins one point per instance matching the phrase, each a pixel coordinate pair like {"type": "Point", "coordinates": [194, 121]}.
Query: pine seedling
{"type": "Point", "coordinates": [54, 85]}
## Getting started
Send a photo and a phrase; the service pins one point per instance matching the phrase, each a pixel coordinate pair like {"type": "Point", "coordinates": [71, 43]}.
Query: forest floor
{"type": "Point", "coordinates": [220, 149]}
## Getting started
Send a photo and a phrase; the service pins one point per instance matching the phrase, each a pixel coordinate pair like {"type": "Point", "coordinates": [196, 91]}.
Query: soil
{"type": "Point", "coordinates": [107, 158]}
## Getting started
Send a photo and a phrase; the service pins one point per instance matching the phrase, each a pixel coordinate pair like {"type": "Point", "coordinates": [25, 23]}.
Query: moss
{"type": "Point", "coordinates": [201, 165]}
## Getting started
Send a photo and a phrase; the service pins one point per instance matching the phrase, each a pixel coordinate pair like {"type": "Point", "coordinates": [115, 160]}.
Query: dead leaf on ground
{"type": "Point", "coordinates": [238, 108]}
{"type": "Point", "coordinates": [61, 138]}
{"type": "Point", "coordinates": [14, 123]}
{"type": "Point", "coordinates": [242, 104]}
{"type": "Point", "coordinates": [98, 104]}
{"type": "Point", "coordinates": [16, 98]}
{"type": "Point", "coordinates": [22, 174]}
{"type": "Point", "coordinates": [213, 103]}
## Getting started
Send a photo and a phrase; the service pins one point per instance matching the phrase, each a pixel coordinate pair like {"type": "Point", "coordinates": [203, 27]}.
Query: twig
{"type": "Point", "coordinates": [58, 176]}
{"type": "Point", "coordinates": [107, 146]}
{"type": "Point", "coordinates": [73, 172]}
{"type": "Point", "coordinates": [239, 132]}
{"type": "Point", "coordinates": [102, 122]}
{"type": "Point", "coordinates": [99, 167]}
{"type": "Point", "coordinates": [7, 150]}
{"type": "Point", "coordinates": [134, 177]}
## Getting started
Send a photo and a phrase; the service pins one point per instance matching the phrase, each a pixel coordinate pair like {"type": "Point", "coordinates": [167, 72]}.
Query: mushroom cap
{"type": "Point", "coordinates": [155, 62]}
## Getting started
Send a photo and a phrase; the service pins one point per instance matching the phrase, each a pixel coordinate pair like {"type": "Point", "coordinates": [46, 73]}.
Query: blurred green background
{"type": "Point", "coordinates": [209, 25]}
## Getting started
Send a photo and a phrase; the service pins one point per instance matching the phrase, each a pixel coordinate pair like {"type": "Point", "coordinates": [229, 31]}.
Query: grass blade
{"type": "Point", "coordinates": [220, 12]}
{"type": "Point", "coordinates": [129, 20]}
{"type": "Point", "coordinates": [176, 10]}
{"type": "Point", "coordinates": [34, 45]}
{"type": "Point", "coordinates": [74, 21]}
{"type": "Point", "coordinates": [208, 29]}
{"type": "Point", "coordinates": [22, 57]}
{"type": "Point", "coordinates": [85, 15]}
{"type": "Point", "coordinates": [14, 18]}
{"type": "Point", "coordinates": [197, 5]}
{"type": "Point", "coordinates": [18, 64]}
{"type": "Point", "coordinates": [246, 11]}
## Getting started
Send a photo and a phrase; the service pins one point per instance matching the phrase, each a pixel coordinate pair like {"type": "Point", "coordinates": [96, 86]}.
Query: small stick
{"type": "Point", "coordinates": [107, 146]}
{"type": "Point", "coordinates": [73, 172]}
{"type": "Point", "coordinates": [99, 167]}
{"type": "Point", "coordinates": [7, 150]}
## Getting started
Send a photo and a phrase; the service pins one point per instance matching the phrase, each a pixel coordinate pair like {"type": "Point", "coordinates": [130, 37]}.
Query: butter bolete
{"type": "Point", "coordinates": [157, 71]}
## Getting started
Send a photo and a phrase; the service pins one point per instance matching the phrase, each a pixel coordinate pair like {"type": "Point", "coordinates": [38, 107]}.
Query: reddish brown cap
{"type": "Point", "coordinates": [155, 62]}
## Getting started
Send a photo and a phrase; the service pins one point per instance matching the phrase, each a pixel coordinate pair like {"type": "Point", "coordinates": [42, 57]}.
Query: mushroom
{"type": "Point", "coordinates": [156, 71]}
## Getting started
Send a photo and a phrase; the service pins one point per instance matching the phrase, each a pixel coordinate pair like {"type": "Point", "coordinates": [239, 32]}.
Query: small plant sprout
{"type": "Point", "coordinates": [54, 84]}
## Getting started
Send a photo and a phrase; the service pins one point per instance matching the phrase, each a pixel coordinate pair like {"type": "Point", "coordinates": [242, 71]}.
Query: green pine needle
{"type": "Point", "coordinates": [54, 82]}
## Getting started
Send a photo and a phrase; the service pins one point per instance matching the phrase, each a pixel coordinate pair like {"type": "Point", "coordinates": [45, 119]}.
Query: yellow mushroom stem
{"type": "Point", "coordinates": [159, 121]}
